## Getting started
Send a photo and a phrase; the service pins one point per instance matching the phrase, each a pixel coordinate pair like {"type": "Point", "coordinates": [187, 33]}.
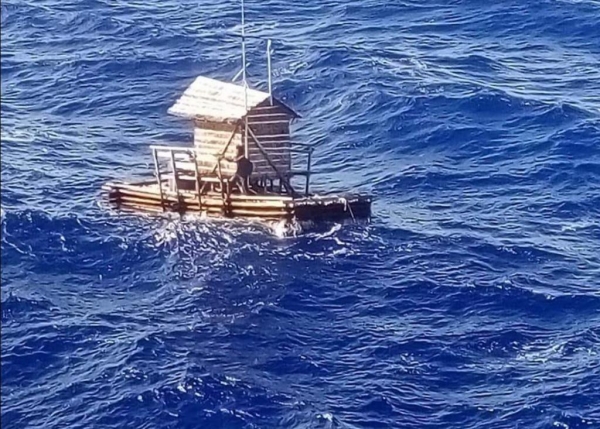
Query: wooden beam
{"type": "Point", "coordinates": [197, 177]}
{"type": "Point", "coordinates": [218, 163]}
{"type": "Point", "coordinates": [308, 172]}
{"type": "Point", "coordinates": [285, 182]}
{"type": "Point", "coordinates": [174, 167]}
{"type": "Point", "coordinates": [139, 208]}
{"type": "Point", "coordinates": [158, 179]}
{"type": "Point", "coordinates": [222, 189]}
{"type": "Point", "coordinates": [226, 147]}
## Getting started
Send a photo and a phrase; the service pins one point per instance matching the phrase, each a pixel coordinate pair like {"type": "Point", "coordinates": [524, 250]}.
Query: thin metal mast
{"type": "Point", "coordinates": [269, 70]}
{"type": "Point", "coordinates": [244, 82]}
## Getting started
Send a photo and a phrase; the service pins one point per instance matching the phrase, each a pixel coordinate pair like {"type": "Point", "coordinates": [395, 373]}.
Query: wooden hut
{"type": "Point", "coordinates": [226, 115]}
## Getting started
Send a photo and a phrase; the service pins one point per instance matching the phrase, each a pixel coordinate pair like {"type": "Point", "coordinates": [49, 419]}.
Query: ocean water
{"type": "Point", "coordinates": [471, 300]}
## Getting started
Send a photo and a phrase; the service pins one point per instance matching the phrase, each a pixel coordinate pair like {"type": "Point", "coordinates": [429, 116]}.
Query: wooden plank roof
{"type": "Point", "coordinates": [218, 101]}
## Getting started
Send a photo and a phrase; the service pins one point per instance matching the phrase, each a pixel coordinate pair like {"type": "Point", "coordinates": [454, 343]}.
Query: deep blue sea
{"type": "Point", "coordinates": [471, 299]}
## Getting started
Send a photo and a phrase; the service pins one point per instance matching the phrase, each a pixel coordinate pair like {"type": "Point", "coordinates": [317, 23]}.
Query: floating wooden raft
{"type": "Point", "coordinates": [229, 119]}
{"type": "Point", "coordinates": [147, 196]}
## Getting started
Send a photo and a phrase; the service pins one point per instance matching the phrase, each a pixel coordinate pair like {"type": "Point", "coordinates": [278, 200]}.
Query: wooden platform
{"type": "Point", "coordinates": [146, 196]}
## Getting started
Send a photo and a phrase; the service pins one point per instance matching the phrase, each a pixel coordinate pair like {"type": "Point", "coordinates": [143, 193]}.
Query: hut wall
{"type": "Point", "coordinates": [271, 125]}
{"type": "Point", "coordinates": [210, 139]}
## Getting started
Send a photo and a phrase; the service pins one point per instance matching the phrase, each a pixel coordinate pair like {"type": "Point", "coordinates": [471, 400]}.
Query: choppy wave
{"type": "Point", "coordinates": [471, 300]}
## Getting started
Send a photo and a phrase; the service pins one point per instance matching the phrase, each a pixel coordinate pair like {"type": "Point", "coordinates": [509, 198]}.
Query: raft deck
{"type": "Point", "coordinates": [150, 197]}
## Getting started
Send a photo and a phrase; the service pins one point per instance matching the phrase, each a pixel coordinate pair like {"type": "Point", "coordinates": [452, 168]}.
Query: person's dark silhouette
{"type": "Point", "coordinates": [244, 168]}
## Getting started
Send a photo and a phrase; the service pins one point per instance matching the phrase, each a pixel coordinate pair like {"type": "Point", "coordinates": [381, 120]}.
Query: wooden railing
{"type": "Point", "coordinates": [170, 152]}
{"type": "Point", "coordinates": [174, 154]}
{"type": "Point", "coordinates": [303, 149]}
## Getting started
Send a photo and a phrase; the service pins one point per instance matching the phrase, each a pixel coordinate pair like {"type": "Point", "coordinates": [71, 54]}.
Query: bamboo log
{"type": "Point", "coordinates": [149, 197]}
{"type": "Point", "coordinates": [237, 205]}
{"type": "Point", "coordinates": [209, 199]}
{"type": "Point", "coordinates": [259, 213]}
{"type": "Point", "coordinates": [136, 200]}
{"type": "Point", "coordinates": [135, 207]}
{"type": "Point", "coordinates": [234, 211]}
{"type": "Point", "coordinates": [139, 193]}
{"type": "Point", "coordinates": [143, 189]}
{"type": "Point", "coordinates": [240, 203]}
{"type": "Point", "coordinates": [261, 197]}
{"type": "Point", "coordinates": [253, 199]}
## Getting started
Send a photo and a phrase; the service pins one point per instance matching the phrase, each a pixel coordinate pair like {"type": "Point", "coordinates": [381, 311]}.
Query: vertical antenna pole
{"type": "Point", "coordinates": [269, 70]}
{"type": "Point", "coordinates": [244, 82]}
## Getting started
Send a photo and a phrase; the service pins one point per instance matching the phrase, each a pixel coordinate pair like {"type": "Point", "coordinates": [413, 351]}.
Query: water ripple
{"type": "Point", "coordinates": [471, 300]}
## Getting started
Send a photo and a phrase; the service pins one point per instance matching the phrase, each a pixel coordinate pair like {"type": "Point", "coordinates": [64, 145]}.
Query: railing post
{"type": "Point", "coordinates": [174, 167]}
{"type": "Point", "coordinates": [310, 151]}
{"type": "Point", "coordinates": [197, 180]}
{"type": "Point", "coordinates": [158, 178]}
{"type": "Point", "coordinates": [222, 185]}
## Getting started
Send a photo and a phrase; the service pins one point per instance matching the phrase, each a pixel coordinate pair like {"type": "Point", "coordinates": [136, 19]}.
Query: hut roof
{"type": "Point", "coordinates": [218, 101]}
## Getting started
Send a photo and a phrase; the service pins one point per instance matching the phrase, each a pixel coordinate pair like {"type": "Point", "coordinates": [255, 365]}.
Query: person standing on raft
{"type": "Point", "coordinates": [244, 168]}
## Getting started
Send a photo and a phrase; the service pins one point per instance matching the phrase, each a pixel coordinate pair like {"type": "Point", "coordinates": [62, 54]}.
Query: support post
{"type": "Point", "coordinates": [158, 178]}
{"type": "Point", "coordinates": [174, 167]}
{"type": "Point", "coordinates": [310, 151]}
{"type": "Point", "coordinates": [195, 158]}
{"type": "Point", "coordinates": [246, 147]}
{"type": "Point", "coordinates": [222, 182]}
